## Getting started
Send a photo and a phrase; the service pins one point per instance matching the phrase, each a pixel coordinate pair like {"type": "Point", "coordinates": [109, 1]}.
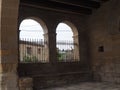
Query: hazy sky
{"type": "Point", "coordinates": [33, 30]}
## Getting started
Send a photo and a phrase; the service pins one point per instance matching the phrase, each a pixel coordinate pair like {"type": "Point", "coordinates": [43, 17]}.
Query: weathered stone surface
{"type": "Point", "coordinates": [104, 31]}
{"type": "Point", "coordinates": [87, 86]}
{"type": "Point", "coordinates": [101, 29]}
{"type": "Point", "coordinates": [26, 83]}
{"type": "Point", "coordinates": [8, 44]}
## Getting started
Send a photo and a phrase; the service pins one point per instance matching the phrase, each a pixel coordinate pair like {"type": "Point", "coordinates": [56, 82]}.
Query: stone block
{"type": "Point", "coordinates": [26, 83]}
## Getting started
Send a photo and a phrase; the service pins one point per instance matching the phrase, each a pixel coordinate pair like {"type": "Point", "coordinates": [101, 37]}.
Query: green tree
{"type": "Point", "coordinates": [27, 59]}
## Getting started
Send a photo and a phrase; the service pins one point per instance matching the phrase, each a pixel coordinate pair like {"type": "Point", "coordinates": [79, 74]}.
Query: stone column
{"type": "Point", "coordinates": [8, 44]}
{"type": "Point", "coordinates": [76, 47]}
{"type": "Point", "coordinates": [46, 47]}
{"type": "Point", "coordinates": [51, 44]}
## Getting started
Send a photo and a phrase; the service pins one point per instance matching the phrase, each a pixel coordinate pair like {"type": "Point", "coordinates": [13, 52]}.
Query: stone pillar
{"type": "Point", "coordinates": [76, 47]}
{"type": "Point", "coordinates": [46, 47]}
{"type": "Point", "coordinates": [8, 44]}
{"type": "Point", "coordinates": [51, 46]}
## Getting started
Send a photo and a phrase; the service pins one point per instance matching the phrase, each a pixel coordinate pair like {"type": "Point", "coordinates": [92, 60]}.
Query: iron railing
{"type": "Point", "coordinates": [32, 50]}
{"type": "Point", "coordinates": [36, 50]}
{"type": "Point", "coordinates": [67, 51]}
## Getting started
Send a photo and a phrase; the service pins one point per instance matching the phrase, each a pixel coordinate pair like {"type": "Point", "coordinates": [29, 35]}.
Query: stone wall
{"type": "Point", "coordinates": [99, 33]}
{"type": "Point", "coordinates": [104, 36]}
{"type": "Point", "coordinates": [49, 75]}
{"type": "Point", "coordinates": [51, 19]}
{"type": "Point", "coordinates": [54, 73]}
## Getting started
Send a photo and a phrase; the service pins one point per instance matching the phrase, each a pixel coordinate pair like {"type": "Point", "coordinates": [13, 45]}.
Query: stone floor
{"type": "Point", "coordinates": [88, 86]}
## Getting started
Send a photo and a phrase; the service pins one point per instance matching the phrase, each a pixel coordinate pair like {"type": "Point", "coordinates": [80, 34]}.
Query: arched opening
{"type": "Point", "coordinates": [30, 29]}
{"type": "Point", "coordinates": [67, 42]}
{"type": "Point", "coordinates": [32, 43]}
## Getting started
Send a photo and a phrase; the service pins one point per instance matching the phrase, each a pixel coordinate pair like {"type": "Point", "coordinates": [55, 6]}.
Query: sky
{"type": "Point", "coordinates": [31, 29]}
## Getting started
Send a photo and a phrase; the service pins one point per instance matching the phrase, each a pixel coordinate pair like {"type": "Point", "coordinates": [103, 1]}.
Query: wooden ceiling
{"type": "Point", "coordinates": [71, 6]}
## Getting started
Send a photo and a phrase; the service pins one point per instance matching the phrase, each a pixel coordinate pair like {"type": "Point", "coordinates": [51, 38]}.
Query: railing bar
{"type": "Point", "coordinates": [43, 51]}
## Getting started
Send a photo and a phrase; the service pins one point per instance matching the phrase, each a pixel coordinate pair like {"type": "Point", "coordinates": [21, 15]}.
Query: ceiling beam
{"type": "Point", "coordinates": [100, 0]}
{"type": "Point", "coordinates": [104, 0]}
{"type": "Point", "coordinates": [47, 4]}
{"type": "Point", "coordinates": [81, 3]}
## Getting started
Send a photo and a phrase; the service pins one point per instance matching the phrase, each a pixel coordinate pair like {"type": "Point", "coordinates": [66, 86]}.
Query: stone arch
{"type": "Point", "coordinates": [43, 42]}
{"type": "Point", "coordinates": [72, 26]}
{"type": "Point", "coordinates": [40, 21]}
{"type": "Point", "coordinates": [75, 38]}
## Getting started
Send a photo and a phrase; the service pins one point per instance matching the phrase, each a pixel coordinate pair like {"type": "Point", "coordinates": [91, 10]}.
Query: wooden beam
{"type": "Point", "coordinates": [104, 0]}
{"type": "Point", "coordinates": [82, 3]}
{"type": "Point", "coordinates": [57, 6]}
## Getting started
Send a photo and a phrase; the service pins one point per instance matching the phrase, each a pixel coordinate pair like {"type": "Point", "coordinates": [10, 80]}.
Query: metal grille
{"type": "Point", "coordinates": [36, 50]}
{"type": "Point", "coordinates": [66, 51]}
{"type": "Point", "coordinates": [32, 50]}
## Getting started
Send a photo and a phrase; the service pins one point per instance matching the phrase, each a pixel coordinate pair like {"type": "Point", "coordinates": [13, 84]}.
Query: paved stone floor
{"type": "Point", "coordinates": [88, 86]}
